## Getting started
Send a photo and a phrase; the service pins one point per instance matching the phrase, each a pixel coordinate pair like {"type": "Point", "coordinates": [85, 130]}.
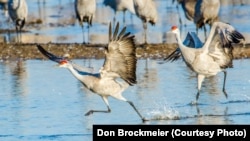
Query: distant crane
{"type": "Point", "coordinates": [120, 5]}
{"type": "Point", "coordinates": [4, 4]}
{"type": "Point", "coordinates": [120, 62]}
{"type": "Point", "coordinates": [201, 12]}
{"type": "Point", "coordinates": [146, 10]}
{"type": "Point", "coordinates": [85, 11]}
{"type": "Point", "coordinates": [214, 56]}
{"type": "Point", "coordinates": [18, 11]}
{"type": "Point", "coordinates": [206, 12]}
{"type": "Point", "coordinates": [188, 7]}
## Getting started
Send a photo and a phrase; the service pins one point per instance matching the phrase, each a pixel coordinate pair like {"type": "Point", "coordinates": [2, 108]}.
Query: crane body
{"type": "Point", "coordinates": [115, 76]}
{"type": "Point", "coordinates": [213, 57]}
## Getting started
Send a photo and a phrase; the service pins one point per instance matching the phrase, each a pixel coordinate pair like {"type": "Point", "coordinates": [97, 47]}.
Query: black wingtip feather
{"type": "Point", "coordinates": [116, 31]}
{"type": "Point", "coordinates": [49, 55]}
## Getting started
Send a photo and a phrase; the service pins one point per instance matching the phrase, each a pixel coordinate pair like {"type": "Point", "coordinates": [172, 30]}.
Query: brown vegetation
{"type": "Point", "coordinates": [14, 51]}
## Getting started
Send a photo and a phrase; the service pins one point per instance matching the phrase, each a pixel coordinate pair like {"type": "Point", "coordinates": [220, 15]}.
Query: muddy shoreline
{"type": "Point", "coordinates": [13, 51]}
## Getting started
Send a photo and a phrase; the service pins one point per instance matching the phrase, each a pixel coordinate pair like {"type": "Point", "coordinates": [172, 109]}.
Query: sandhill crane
{"type": "Point", "coordinates": [85, 12]}
{"type": "Point", "coordinates": [206, 12]}
{"type": "Point", "coordinates": [120, 5]}
{"type": "Point", "coordinates": [188, 7]}
{"type": "Point", "coordinates": [18, 12]}
{"type": "Point", "coordinates": [120, 62]}
{"type": "Point", "coordinates": [191, 40]}
{"type": "Point", "coordinates": [214, 56]}
{"type": "Point", "coordinates": [201, 12]}
{"type": "Point", "coordinates": [4, 4]}
{"type": "Point", "coordinates": [146, 10]}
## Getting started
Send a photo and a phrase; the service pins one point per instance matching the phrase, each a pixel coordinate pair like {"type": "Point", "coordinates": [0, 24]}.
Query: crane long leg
{"type": "Point", "coordinates": [197, 95]}
{"type": "Point", "coordinates": [131, 103]}
{"type": "Point", "coordinates": [88, 34]}
{"type": "Point", "coordinates": [224, 83]}
{"type": "Point", "coordinates": [105, 99]}
{"type": "Point", "coordinates": [200, 80]}
{"type": "Point", "coordinates": [17, 34]}
{"type": "Point", "coordinates": [145, 32]}
{"type": "Point", "coordinates": [83, 33]}
{"type": "Point", "coordinates": [92, 111]}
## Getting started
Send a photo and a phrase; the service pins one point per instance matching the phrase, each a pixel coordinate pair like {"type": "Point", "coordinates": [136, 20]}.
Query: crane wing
{"type": "Point", "coordinates": [52, 57]}
{"type": "Point", "coordinates": [121, 56]}
{"type": "Point", "coordinates": [191, 40]}
{"type": "Point", "coordinates": [221, 45]}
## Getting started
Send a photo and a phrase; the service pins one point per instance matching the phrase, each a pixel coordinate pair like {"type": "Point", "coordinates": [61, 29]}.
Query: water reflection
{"type": "Point", "coordinates": [219, 116]}
{"type": "Point", "coordinates": [54, 21]}
{"type": "Point", "coordinates": [42, 101]}
{"type": "Point", "coordinates": [18, 76]}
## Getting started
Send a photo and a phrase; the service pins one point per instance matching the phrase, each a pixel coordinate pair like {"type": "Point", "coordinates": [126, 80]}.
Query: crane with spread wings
{"type": "Point", "coordinates": [120, 62]}
{"type": "Point", "coordinates": [214, 56]}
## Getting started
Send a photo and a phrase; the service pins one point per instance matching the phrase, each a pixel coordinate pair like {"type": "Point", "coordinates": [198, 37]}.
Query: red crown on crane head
{"type": "Point", "coordinates": [63, 62]}
{"type": "Point", "coordinates": [174, 27]}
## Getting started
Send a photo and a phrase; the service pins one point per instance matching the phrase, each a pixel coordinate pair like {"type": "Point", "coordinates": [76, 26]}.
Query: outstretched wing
{"type": "Point", "coordinates": [121, 55]}
{"type": "Point", "coordinates": [221, 45]}
{"type": "Point", "coordinates": [52, 57]}
{"type": "Point", "coordinates": [191, 40]}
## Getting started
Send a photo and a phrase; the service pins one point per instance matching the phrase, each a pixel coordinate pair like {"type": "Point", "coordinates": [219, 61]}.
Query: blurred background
{"type": "Point", "coordinates": [55, 21]}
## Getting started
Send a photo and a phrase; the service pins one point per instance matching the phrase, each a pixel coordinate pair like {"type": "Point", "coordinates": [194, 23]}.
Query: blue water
{"type": "Point", "coordinates": [60, 25]}
{"type": "Point", "coordinates": [42, 102]}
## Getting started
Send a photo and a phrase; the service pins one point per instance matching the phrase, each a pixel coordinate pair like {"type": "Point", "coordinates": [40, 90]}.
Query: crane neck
{"type": "Point", "coordinates": [210, 37]}
{"type": "Point", "coordinates": [74, 72]}
{"type": "Point", "coordinates": [86, 80]}
{"type": "Point", "coordinates": [179, 41]}
{"type": "Point", "coordinates": [187, 52]}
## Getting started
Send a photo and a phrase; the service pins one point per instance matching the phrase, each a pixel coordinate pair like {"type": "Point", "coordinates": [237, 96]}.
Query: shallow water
{"type": "Point", "coordinates": [42, 102]}
{"type": "Point", "coordinates": [59, 24]}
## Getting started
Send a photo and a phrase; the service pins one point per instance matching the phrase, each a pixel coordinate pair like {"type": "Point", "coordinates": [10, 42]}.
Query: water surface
{"type": "Point", "coordinates": [42, 102]}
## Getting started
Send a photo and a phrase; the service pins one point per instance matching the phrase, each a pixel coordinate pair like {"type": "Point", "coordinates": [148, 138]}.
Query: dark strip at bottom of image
{"type": "Point", "coordinates": [176, 132]}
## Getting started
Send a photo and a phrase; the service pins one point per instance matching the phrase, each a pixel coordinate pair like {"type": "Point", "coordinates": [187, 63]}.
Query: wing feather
{"type": "Point", "coordinates": [221, 46]}
{"type": "Point", "coordinates": [52, 57]}
{"type": "Point", "coordinates": [49, 55]}
{"type": "Point", "coordinates": [121, 56]}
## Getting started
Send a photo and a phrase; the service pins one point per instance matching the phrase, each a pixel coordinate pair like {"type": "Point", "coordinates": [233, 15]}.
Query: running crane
{"type": "Point", "coordinates": [120, 62]}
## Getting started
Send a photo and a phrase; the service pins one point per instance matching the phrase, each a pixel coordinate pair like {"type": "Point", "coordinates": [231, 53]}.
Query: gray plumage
{"type": "Point", "coordinates": [188, 7]}
{"type": "Point", "coordinates": [206, 12]}
{"type": "Point", "coordinates": [214, 56]}
{"type": "Point", "coordinates": [18, 11]}
{"type": "Point", "coordinates": [201, 12]}
{"type": "Point", "coordinates": [85, 12]}
{"type": "Point", "coordinates": [120, 62]}
{"type": "Point", "coordinates": [120, 5]}
{"type": "Point", "coordinates": [146, 10]}
{"type": "Point", "coordinates": [4, 4]}
{"type": "Point", "coordinates": [191, 40]}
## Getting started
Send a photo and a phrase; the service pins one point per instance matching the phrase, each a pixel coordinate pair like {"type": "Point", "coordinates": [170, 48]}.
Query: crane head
{"type": "Point", "coordinates": [174, 29]}
{"type": "Point", "coordinates": [63, 63]}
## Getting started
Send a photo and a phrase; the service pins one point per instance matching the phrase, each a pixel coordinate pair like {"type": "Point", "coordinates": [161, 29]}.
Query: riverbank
{"type": "Point", "coordinates": [78, 51]}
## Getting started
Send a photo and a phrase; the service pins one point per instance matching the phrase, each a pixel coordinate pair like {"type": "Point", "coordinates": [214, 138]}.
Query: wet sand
{"type": "Point", "coordinates": [13, 51]}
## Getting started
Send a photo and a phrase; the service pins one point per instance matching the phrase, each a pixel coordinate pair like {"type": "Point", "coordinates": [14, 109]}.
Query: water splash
{"type": "Point", "coordinates": [164, 112]}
